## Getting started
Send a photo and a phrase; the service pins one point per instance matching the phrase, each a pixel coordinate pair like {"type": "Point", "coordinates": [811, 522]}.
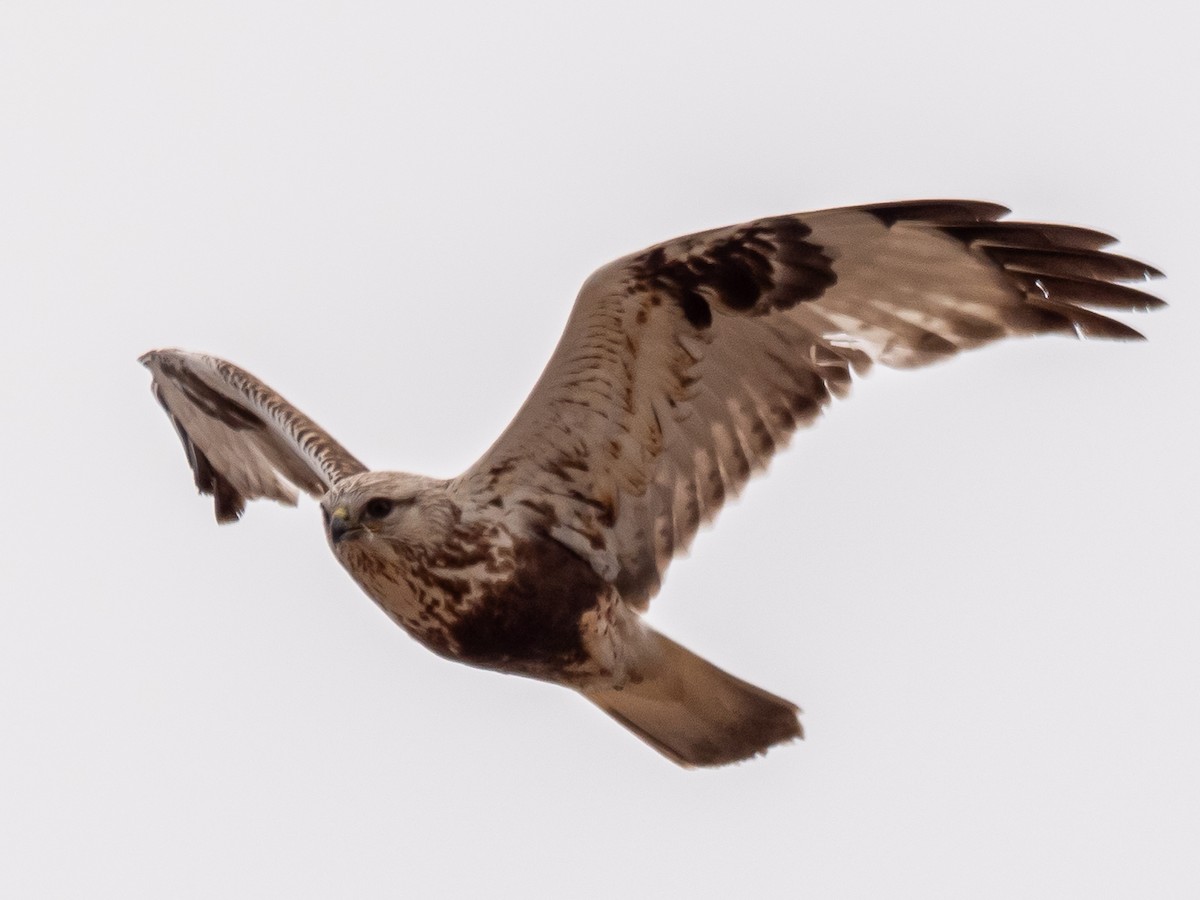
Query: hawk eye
{"type": "Point", "coordinates": [378, 507]}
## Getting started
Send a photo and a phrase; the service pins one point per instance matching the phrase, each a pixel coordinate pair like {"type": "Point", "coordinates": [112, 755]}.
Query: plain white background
{"type": "Point", "coordinates": [979, 580]}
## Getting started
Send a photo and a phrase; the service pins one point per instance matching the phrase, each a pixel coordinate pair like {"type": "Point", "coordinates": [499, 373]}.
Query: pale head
{"type": "Point", "coordinates": [398, 507]}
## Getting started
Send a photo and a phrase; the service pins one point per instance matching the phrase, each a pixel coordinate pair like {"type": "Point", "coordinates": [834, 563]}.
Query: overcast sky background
{"type": "Point", "coordinates": [978, 580]}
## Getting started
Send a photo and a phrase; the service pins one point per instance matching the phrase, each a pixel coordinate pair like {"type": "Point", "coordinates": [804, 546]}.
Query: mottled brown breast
{"type": "Point", "coordinates": [533, 620]}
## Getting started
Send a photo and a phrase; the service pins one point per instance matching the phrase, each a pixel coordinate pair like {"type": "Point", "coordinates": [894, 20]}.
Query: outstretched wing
{"type": "Point", "coordinates": [684, 367]}
{"type": "Point", "coordinates": [243, 440]}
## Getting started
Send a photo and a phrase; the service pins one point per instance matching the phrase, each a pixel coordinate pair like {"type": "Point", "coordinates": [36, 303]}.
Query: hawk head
{"type": "Point", "coordinates": [396, 507]}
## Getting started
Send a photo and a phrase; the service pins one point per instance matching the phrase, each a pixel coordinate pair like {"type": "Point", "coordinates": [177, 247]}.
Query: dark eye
{"type": "Point", "coordinates": [378, 508]}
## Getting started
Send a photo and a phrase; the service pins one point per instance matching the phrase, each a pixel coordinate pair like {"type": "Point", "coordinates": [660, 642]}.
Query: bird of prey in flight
{"type": "Point", "coordinates": [682, 370]}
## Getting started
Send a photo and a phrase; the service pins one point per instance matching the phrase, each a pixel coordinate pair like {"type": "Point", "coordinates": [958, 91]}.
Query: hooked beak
{"type": "Point", "coordinates": [340, 527]}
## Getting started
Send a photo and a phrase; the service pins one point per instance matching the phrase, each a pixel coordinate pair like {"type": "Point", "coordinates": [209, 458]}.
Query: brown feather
{"type": "Point", "coordinates": [240, 436]}
{"type": "Point", "coordinates": [1029, 234]}
{"type": "Point", "coordinates": [701, 355]}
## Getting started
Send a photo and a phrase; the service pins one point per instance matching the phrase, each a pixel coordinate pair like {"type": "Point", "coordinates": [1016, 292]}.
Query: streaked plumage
{"type": "Point", "coordinates": [682, 370]}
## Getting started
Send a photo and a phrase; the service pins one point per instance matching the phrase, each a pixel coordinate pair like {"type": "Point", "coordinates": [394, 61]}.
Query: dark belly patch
{"type": "Point", "coordinates": [533, 619]}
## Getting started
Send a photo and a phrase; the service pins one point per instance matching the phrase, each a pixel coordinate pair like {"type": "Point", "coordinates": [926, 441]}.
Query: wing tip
{"type": "Point", "coordinates": [162, 354]}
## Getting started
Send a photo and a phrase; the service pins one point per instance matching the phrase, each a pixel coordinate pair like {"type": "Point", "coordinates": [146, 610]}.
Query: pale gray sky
{"type": "Point", "coordinates": [978, 580]}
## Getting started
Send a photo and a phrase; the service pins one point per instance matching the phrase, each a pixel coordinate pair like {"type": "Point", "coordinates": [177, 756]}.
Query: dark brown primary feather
{"type": "Point", "coordinates": [684, 367]}
{"type": "Point", "coordinates": [239, 435]}
{"type": "Point", "coordinates": [1029, 234]}
{"type": "Point", "coordinates": [228, 504]}
{"type": "Point", "coordinates": [935, 212]}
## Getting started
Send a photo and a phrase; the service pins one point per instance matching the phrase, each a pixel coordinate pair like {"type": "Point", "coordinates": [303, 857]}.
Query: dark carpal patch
{"type": "Point", "coordinates": [534, 618]}
{"type": "Point", "coordinates": [765, 266]}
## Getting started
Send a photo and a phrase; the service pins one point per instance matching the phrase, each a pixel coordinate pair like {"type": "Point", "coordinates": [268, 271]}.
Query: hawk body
{"type": "Point", "coordinates": [468, 587]}
{"type": "Point", "coordinates": [683, 368]}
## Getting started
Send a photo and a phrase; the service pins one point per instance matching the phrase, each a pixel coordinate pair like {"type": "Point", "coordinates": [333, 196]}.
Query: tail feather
{"type": "Point", "coordinates": [696, 714]}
